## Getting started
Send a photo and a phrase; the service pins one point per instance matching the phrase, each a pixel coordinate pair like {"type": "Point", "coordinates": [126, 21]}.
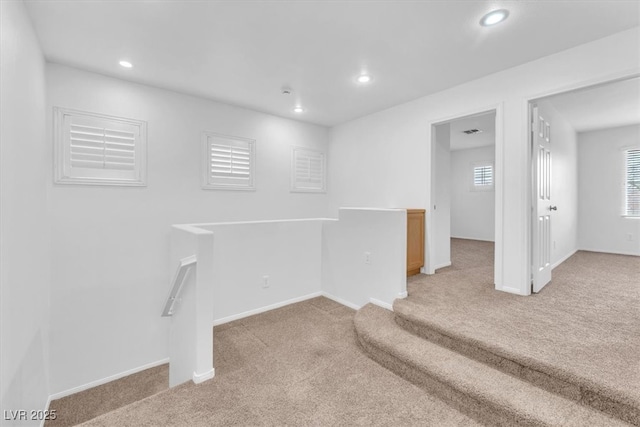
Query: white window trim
{"type": "Point", "coordinates": [59, 160]}
{"type": "Point", "coordinates": [293, 185]}
{"type": "Point", "coordinates": [206, 161]}
{"type": "Point", "coordinates": [475, 187]}
{"type": "Point", "coordinates": [624, 150]}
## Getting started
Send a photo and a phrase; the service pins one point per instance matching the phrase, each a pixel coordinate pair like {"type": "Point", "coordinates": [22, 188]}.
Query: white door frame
{"type": "Point", "coordinates": [526, 105]}
{"type": "Point", "coordinates": [429, 267]}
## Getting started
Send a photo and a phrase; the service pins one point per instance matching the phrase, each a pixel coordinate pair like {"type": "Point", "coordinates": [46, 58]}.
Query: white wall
{"type": "Point", "coordinates": [391, 148]}
{"type": "Point", "coordinates": [441, 206]}
{"type": "Point", "coordinates": [190, 335]}
{"type": "Point", "coordinates": [601, 168]}
{"type": "Point", "coordinates": [24, 250]}
{"type": "Point", "coordinates": [288, 252]}
{"type": "Point", "coordinates": [564, 187]}
{"type": "Point", "coordinates": [347, 275]}
{"type": "Point", "coordinates": [472, 212]}
{"type": "Point", "coordinates": [244, 268]}
{"type": "Point", "coordinates": [228, 281]}
{"type": "Point", "coordinates": [110, 268]}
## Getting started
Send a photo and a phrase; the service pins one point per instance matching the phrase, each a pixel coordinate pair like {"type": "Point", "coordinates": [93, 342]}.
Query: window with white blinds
{"type": "Point", "coordinates": [483, 176]}
{"type": "Point", "coordinates": [228, 162]}
{"type": "Point", "coordinates": [632, 182]}
{"type": "Point", "coordinates": [97, 149]}
{"type": "Point", "coordinates": [307, 170]}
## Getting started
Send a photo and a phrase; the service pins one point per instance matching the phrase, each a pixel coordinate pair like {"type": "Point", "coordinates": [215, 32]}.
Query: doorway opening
{"type": "Point", "coordinates": [583, 174]}
{"type": "Point", "coordinates": [463, 177]}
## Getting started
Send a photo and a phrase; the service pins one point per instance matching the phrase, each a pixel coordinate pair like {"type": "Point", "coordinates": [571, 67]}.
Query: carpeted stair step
{"type": "Point", "coordinates": [411, 316]}
{"type": "Point", "coordinates": [474, 388]}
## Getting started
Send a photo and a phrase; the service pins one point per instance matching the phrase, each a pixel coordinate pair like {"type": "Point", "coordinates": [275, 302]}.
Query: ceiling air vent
{"type": "Point", "coordinates": [471, 131]}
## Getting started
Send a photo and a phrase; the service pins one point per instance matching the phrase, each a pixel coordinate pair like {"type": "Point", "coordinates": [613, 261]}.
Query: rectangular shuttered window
{"type": "Point", "coordinates": [228, 162]}
{"type": "Point", "coordinates": [483, 176]}
{"type": "Point", "coordinates": [307, 170]}
{"type": "Point", "coordinates": [632, 182]}
{"type": "Point", "coordinates": [99, 150]}
{"type": "Point", "coordinates": [102, 148]}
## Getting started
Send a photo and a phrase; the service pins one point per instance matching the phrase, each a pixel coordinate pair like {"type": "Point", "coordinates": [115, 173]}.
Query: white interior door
{"type": "Point", "coordinates": [542, 203]}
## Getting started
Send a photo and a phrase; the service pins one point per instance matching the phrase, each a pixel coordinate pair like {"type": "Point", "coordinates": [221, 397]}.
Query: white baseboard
{"type": "Point", "coordinates": [381, 304]}
{"type": "Point", "coordinates": [265, 308]}
{"type": "Point", "coordinates": [515, 291]}
{"type": "Point", "coordinates": [564, 258]}
{"type": "Point", "coordinates": [610, 252]}
{"type": "Point", "coordinates": [199, 378]}
{"type": "Point", "coordinates": [341, 301]}
{"type": "Point", "coordinates": [443, 265]}
{"type": "Point", "coordinates": [96, 383]}
{"type": "Point", "coordinates": [473, 238]}
{"type": "Point", "coordinates": [46, 410]}
{"type": "Point", "coordinates": [284, 303]}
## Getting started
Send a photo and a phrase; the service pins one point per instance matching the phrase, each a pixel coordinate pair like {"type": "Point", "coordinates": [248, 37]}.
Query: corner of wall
{"type": "Point", "coordinates": [25, 260]}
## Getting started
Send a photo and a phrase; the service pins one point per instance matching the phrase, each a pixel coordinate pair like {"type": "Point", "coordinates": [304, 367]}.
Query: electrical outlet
{"type": "Point", "coordinates": [630, 237]}
{"type": "Point", "coordinates": [367, 257]}
{"type": "Point", "coordinates": [265, 281]}
{"type": "Point", "coordinates": [554, 244]}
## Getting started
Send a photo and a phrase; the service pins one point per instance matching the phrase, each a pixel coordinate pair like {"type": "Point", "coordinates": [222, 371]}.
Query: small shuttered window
{"type": "Point", "coordinates": [483, 176]}
{"type": "Point", "coordinates": [97, 149]}
{"type": "Point", "coordinates": [632, 182]}
{"type": "Point", "coordinates": [308, 172]}
{"type": "Point", "coordinates": [228, 162]}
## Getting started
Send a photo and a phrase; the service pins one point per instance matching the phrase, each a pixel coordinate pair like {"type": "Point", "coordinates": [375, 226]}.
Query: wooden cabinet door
{"type": "Point", "coordinates": [415, 240]}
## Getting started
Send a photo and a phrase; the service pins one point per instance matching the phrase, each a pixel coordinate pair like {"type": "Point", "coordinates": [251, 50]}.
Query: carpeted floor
{"type": "Point", "coordinates": [583, 327]}
{"type": "Point", "coordinates": [467, 255]}
{"type": "Point", "coordinates": [297, 365]}
{"type": "Point", "coordinates": [85, 405]}
{"type": "Point", "coordinates": [301, 364]}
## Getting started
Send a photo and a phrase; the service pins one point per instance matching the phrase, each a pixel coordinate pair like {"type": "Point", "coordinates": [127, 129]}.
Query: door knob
{"type": "Point", "coordinates": [553, 208]}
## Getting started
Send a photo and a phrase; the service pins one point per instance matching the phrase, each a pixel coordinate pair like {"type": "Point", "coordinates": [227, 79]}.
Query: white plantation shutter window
{"type": "Point", "coordinates": [482, 176]}
{"type": "Point", "coordinates": [307, 170]}
{"type": "Point", "coordinates": [99, 150]}
{"type": "Point", "coordinates": [228, 162]}
{"type": "Point", "coordinates": [632, 182]}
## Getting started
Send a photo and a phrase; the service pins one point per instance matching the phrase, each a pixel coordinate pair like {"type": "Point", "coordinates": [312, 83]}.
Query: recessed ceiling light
{"type": "Point", "coordinates": [126, 64]}
{"type": "Point", "coordinates": [494, 17]}
{"type": "Point", "coordinates": [364, 78]}
{"type": "Point", "coordinates": [298, 109]}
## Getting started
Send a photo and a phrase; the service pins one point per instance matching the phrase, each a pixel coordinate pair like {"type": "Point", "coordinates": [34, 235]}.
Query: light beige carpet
{"type": "Point", "coordinates": [476, 389]}
{"type": "Point", "coordinates": [468, 254]}
{"type": "Point", "coordinates": [298, 365]}
{"type": "Point", "coordinates": [584, 327]}
{"type": "Point", "coordinates": [85, 405]}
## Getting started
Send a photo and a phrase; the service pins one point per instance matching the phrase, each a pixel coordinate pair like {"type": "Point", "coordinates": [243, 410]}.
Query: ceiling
{"type": "Point", "coordinates": [600, 107]}
{"type": "Point", "coordinates": [484, 122]}
{"type": "Point", "coordinates": [244, 52]}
